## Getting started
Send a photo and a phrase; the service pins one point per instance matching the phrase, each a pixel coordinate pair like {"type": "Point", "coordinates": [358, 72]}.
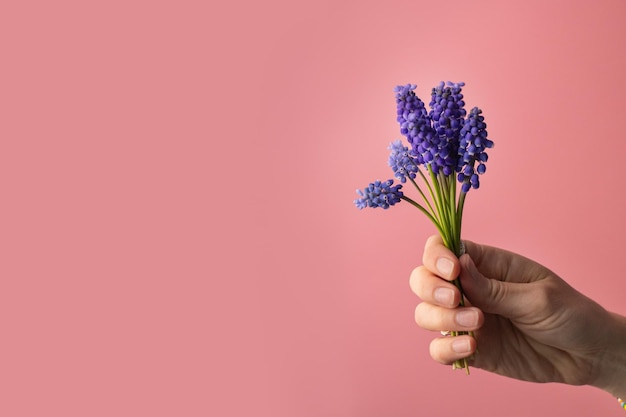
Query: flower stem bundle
{"type": "Point", "coordinates": [445, 152]}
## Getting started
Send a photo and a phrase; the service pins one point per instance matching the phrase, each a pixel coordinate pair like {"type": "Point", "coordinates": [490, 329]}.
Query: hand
{"type": "Point", "coordinates": [528, 323]}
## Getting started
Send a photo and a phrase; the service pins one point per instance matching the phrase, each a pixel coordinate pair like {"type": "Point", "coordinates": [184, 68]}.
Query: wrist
{"type": "Point", "coordinates": [611, 373]}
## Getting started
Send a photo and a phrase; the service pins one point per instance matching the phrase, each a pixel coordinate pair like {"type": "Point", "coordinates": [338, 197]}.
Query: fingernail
{"type": "Point", "coordinates": [461, 345]}
{"type": "Point", "coordinates": [467, 318]}
{"type": "Point", "coordinates": [444, 296]}
{"type": "Point", "coordinates": [445, 266]}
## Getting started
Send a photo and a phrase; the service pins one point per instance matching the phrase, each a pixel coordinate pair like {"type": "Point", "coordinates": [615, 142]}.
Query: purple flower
{"type": "Point", "coordinates": [447, 114]}
{"type": "Point", "coordinates": [472, 146]}
{"type": "Point", "coordinates": [402, 162]}
{"type": "Point", "coordinates": [379, 194]}
{"type": "Point", "coordinates": [414, 122]}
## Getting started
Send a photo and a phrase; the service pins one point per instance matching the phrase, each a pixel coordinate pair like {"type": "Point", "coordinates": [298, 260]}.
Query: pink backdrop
{"type": "Point", "coordinates": [177, 229]}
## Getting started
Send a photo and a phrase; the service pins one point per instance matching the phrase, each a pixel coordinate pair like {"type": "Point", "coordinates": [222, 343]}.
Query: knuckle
{"type": "Point", "coordinates": [431, 317]}
{"type": "Point", "coordinates": [416, 281]}
{"type": "Point", "coordinates": [430, 243]}
{"type": "Point", "coordinates": [497, 291]}
{"type": "Point", "coordinates": [436, 351]}
{"type": "Point", "coordinates": [546, 294]}
{"type": "Point", "coordinates": [420, 314]}
{"type": "Point", "coordinates": [417, 272]}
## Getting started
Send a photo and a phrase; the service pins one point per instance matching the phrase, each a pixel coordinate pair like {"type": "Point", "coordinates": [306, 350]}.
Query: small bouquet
{"type": "Point", "coordinates": [446, 146]}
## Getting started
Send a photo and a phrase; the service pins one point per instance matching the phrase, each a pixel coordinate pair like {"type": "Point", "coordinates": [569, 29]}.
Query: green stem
{"type": "Point", "coordinates": [447, 219]}
{"type": "Point", "coordinates": [437, 196]}
{"type": "Point", "coordinates": [419, 206]}
{"type": "Point", "coordinates": [440, 211]}
{"type": "Point", "coordinates": [459, 214]}
{"type": "Point", "coordinates": [430, 189]}
{"type": "Point", "coordinates": [451, 206]}
{"type": "Point", "coordinates": [422, 193]}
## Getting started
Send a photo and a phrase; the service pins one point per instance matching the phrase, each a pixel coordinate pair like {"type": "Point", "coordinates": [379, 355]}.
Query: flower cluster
{"type": "Point", "coordinates": [472, 149]}
{"type": "Point", "coordinates": [415, 123]}
{"type": "Point", "coordinates": [450, 145]}
{"type": "Point", "coordinates": [402, 162]}
{"type": "Point", "coordinates": [447, 113]}
{"type": "Point", "coordinates": [439, 138]}
{"type": "Point", "coordinates": [379, 194]}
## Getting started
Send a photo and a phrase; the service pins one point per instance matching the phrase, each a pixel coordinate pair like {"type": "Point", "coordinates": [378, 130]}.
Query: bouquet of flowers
{"type": "Point", "coordinates": [446, 145]}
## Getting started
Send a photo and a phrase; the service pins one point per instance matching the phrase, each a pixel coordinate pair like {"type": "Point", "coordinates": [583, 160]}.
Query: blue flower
{"type": "Point", "coordinates": [379, 194]}
{"type": "Point", "coordinates": [414, 122]}
{"type": "Point", "coordinates": [402, 162]}
{"type": "Point", "coordinates": [472, 146]}
{"type": "Point", "coordinates": [447, 114]}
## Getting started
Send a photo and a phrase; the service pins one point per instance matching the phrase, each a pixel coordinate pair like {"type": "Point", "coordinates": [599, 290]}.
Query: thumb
{"type": "Point", "coordinates": [508, 299]}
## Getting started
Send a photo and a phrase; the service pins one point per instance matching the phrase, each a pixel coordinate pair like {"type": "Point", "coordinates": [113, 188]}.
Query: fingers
{"type": "Point", "coordinates": [440, 298]}
{"type": "Point", "coordinates": [432, 317]}
{"type": "Point", "coordinates": [432, 289]}
{"type": "Point", "coordinates": [439, 259]}
{"type": "Point", "coordinates": [449, 349]}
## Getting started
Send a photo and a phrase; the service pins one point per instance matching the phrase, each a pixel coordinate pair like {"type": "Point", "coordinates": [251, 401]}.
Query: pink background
{"type": "Point", "coordinates": [177, 230]}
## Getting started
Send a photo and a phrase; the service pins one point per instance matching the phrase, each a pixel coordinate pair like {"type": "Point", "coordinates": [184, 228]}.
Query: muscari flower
{"type": "Point", "coordinates": [447, 114]}
{"type": "Point", "coordinates": [379, 194]}
{"type": "Point", "coordinates": [444, 140]}
{"type": "Point", "coordinates": [402, 162]}
{"type": "Point", "coordinates": [415, 123]}
{"type": "Point", "coordinates": [472, 146]}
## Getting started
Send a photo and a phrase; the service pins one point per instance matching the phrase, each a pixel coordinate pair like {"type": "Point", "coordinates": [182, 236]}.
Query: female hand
{"type": "Point", "coordinates": [528, 323]}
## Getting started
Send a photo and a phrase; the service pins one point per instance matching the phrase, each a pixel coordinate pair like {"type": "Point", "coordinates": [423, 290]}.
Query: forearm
{"type": "Point", "coordinates": [611, 376]}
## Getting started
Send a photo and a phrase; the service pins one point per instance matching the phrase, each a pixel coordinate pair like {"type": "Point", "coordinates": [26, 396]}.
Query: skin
{"type": "Point", "coordinates": [528, 323]}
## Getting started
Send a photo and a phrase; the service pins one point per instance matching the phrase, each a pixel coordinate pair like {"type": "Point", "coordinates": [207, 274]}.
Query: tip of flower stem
{"type": "Point", "coordinates": [461, 364]}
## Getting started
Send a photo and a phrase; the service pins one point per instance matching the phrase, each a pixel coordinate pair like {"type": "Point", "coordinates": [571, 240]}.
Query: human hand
{"type": "Point", "coordinates": [528, 323]}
